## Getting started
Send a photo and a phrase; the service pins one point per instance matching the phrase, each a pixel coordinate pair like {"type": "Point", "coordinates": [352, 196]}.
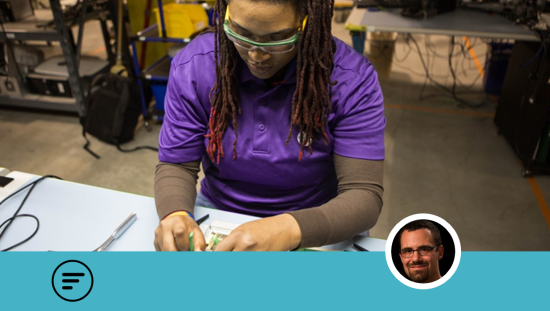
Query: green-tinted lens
{"type": "Point", "coordinates": [239, 43]}
{"type": "Point", "coordinates": [276, 49]}
{"type": "Point", "coordinates": [235, 35]}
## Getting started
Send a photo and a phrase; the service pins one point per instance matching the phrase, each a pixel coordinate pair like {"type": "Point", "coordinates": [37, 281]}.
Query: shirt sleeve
{"type": "Point", "coordinates": [355, 209]}
{"type": "Point", "coordinates": [186, 115]}
{"type": "Point", "coordinates": [358, 122]}
{"type": "Point", "coordinates": [176, 187]}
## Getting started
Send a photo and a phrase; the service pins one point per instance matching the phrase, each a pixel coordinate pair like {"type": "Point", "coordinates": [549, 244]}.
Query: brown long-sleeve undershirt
{"type": "Point", "coordinates": [355, 209]}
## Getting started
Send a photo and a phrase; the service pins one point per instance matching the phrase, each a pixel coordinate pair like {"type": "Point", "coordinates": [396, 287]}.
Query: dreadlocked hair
{"type": "Point", "coordinates": [312, 98]}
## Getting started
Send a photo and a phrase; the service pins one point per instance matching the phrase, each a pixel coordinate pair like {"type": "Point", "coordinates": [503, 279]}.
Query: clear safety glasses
{"type": "Point", "coordinates": [273, 47]}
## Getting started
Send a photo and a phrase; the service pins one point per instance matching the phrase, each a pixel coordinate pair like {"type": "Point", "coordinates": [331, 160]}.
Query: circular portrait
{"type": "Point", "coordinates": [423, 251]}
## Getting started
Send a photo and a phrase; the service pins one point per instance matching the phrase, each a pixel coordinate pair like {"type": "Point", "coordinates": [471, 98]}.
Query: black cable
{"type": "Point", "coordinates": [426, 69]}
{"type": "Point", "coordinates": [429, 77]}
{"type": "Point", "coordinates": [453, 93]}
{"type": "Point", "coordinates": [136, 148]}
{"type": "Point", "coordinates": [451, 50]}
{"type": "Point", "coordinates": [453, 89]}
{"type": "Point", "coordinates": [432, 48]}
{"type": "Point", "coordinates": [471, 86]}
{"type": "Point", "coordinates": [7, 223]}
{"type": "Point", "coordinates": [464, 71]}
{"type": "Point", "coordinates": [397, 60]}
{"type": "Point", "coordinates": [419, 52]}
{"type": "Point", "coordinates": [407, 53]}
{"type": "Point", "coordinates": [9, 220]}
{"type": "Point", "coordinates": [428, 56]}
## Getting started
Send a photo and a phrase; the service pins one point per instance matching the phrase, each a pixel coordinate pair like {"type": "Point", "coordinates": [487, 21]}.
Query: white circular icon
{"type": "Point", "coordinates": [394, 233]}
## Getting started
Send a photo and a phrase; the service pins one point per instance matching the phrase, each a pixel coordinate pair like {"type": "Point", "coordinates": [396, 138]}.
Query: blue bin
{"type": "Point", "coordinates": [358, 39]}
{"type": "Point", "coordinates": [159, 91]}
{"type": "Point", "coordinates": [210, 14]}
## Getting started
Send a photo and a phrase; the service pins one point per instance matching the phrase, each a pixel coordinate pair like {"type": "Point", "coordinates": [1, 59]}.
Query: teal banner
{"type": "Point", "coordinates": [263, 281]}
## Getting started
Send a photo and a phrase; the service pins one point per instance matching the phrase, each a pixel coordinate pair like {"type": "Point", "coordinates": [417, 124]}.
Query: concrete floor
{"type": "Point", "coordinates": [441, 158]}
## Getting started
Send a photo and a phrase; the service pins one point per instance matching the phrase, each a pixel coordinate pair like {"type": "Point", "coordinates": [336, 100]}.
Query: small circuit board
{"type": "Point", "coordinates": [216, 232]}
{"type": "Point", "coordinates": [214, 240]}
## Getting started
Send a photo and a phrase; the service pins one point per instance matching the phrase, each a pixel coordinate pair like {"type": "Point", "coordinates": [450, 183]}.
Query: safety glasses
{"type": "Point", "coordinates": [273, 47]}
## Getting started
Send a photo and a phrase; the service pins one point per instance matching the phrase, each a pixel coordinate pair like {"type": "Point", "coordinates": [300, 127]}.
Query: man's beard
{"type": "Point", "coordinates": [418, 276]}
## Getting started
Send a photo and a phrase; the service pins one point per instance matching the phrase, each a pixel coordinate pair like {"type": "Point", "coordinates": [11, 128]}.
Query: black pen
{"type": "Point", "coordinates": [202, 219]}
{"type": "Point", "coordinates": [359, 248]}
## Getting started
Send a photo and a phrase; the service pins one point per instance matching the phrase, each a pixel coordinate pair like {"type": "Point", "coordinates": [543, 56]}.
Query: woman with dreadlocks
{"type": "Point", "coordinates": [288, 123]}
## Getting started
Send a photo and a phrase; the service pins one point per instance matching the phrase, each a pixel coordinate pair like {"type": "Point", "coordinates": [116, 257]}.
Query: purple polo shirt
{"type": "Point", "coordinates": [266, 178]}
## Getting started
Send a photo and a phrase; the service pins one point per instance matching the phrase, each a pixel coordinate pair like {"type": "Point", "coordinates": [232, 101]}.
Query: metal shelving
{"type": "Point", "coordinates": [159, 71]}
{"type": "Point", "coordinates": [41, 101]}
{"type": "Point", "coordinates": [31, 28]}
{"type": "Point", "coordinates": [27, 30]}
{"type": "Point", "coordinates": [151, 34]}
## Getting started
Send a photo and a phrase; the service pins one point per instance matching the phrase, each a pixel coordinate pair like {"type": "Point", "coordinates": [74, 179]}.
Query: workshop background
{"type": "Point", "coordinates": [444, 154]}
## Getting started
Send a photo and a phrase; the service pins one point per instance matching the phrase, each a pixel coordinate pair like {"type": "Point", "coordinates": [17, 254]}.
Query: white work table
{"type": "Point", "coordinates": [77, 217]}
{"type": "Point", "coordinates": [460, 22]}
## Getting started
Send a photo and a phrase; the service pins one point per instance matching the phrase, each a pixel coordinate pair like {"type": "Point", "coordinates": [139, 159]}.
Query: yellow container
{"type": "Point", "coordinates": [182, 20]}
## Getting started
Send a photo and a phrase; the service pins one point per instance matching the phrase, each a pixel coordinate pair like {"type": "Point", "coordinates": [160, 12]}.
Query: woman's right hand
{"type": "Point", "coordinates": [173, 232]}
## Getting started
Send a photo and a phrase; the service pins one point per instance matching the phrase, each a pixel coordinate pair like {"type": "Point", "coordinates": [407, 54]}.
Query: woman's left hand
{"type": "Point", "coordinates": [277, 233]}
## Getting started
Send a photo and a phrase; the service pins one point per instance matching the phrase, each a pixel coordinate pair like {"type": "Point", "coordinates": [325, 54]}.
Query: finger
{"type": "Point", "coordinates": [156, 245]}
{"type": "Point", "coordinates": [181, 238]}
{"type": "Point", "coordinates": [156, 241]}
{"type": "Point", "coordinates": [167, 243]}
{"type": "Point", "coordinates": [199, 240]}
{"type": "Point", "coordinates": [227, 245]}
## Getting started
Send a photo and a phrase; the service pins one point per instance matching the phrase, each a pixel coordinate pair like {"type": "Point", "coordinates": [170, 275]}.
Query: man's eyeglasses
{"type": "Point", "coordinates": [422, 251]}
{"type": "Point", "coordinates": [273, 47]}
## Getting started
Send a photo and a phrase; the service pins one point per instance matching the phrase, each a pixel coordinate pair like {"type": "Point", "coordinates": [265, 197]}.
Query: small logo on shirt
{"type": "Point", "coordinates": [301, 136]}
